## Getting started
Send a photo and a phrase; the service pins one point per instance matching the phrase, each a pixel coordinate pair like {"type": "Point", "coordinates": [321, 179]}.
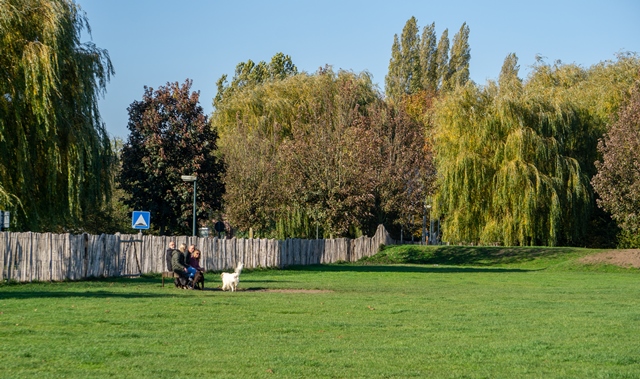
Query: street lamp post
{"type": "Point", "coordinates": [424, 225]}
{"type": "Point", "coordinates": [194, 179]}
{"type": "Point", "coordinates": [424, 222]}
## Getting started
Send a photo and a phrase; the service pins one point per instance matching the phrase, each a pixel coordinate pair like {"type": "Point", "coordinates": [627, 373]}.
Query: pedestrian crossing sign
{"type": "Point", "coordinates": [140, 220]}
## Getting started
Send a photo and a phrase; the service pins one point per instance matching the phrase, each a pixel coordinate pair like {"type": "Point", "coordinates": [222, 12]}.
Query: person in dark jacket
{"type": "Point", "coordinates": [194, 260]}
{"type": "Point", "coordinates": [187, 261]}
{"type": "Point", "coordinates": [169, 253]}
{"type": "Point", "coordinates": [179, 265]}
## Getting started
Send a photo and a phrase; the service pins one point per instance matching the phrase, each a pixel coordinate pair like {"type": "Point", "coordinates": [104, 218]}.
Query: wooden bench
{"type": "Point", "coordinates": [172, 275]}
{"type": "Point", "coordinates": [169, 274]}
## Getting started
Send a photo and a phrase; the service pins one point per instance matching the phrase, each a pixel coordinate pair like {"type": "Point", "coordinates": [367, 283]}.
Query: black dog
{"type": "Point", "coordinates": [198, 281]}
{"type": "Point", "coordinates": [180, 283]}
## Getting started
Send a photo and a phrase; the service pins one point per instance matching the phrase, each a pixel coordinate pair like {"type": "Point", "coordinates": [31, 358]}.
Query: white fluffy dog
{"type": "Point", "coordinates": [230, 279]}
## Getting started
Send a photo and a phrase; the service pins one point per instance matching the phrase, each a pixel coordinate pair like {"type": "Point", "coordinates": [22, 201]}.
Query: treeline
{"type": "Point", "coordinates": [507, 162]}
{"type": "Point", "coordinates": [327, 154]}
{"type": "Point", "coordinates": [549, 159]}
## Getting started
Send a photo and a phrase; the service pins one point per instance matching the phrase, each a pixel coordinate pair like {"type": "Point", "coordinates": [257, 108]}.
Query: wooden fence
{"type": "Point", "coordinates": [26, 257]}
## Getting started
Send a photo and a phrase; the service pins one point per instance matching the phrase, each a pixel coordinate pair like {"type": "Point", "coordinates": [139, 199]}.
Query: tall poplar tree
{"type": "Point", "coordinates": [459, 58]}
{"type": "Point", "coordinates": [404, 67]}
{"type": "Point", "coordinates": [411, 55]}
{"type": "Point", "coordinates": [443, 59]}
{"type": "Point", "coordinates": [419, 64]}
{"type": "Point", "coordinates": [429, 58]}
{"type": "Point", "coordinates": [394, 78]}
{"type": "Point", "coordinates": [55, 155]}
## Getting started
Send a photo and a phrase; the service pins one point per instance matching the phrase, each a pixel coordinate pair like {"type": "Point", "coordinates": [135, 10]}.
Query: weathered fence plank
{"type": "Point", "coordinates": [3, 254]}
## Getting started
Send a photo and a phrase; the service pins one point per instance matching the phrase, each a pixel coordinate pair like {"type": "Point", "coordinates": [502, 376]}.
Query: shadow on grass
{"type": "Point", "coordinates": [464, 255]}
{"type": "Point", "coordinates": [93, 287]}
{"type": "Point", "coordinates": [81, 294]}
{"type": "Point", "coordinates": [494, 255]}
{"type": "Point", "coordinates": [239, 289]}
{"type": "Point", "coordinates": [398, 268]}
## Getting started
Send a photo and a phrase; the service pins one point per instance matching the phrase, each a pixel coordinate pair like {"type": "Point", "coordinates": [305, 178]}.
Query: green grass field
{"type": "Point", "coordinates": [453, 313]}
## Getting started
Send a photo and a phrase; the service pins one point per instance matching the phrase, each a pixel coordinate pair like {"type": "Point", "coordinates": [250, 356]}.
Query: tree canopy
{"type": "Point", "coordinates": [515, 158]}
{"type": "Point", "coordinates": [618, 179]}
{"type": "Point", "coordinates": [249, 73]}
{"type": "Point", "coordinates": [56, 155]}
{"type": "Point", "coordinates": [418, 64]}
{"type": "Point", "coordinates": [169, 137]}
{"type": "Point", "coordinates": [318, 153]}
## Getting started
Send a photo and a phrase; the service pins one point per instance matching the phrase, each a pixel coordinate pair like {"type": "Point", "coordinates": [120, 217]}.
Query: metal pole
{"type": "Point", "coordinates": [424, 222]}
{"type": "Point", "coordinates": [424, 225]}
{"type": "Point", "coordinates": [432, 234]}
{"type": "Point", "coordinates": [194, 179]}
{"type": "Point", "coordinates": [194, 207]}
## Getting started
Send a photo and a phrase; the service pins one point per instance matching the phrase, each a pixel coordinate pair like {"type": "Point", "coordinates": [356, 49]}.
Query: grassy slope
{"type": "Point", "coordinates": [530, 258]}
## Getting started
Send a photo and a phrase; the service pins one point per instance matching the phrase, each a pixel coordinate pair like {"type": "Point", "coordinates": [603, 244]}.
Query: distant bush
{"type": "Point", "coordinates": [628, 240]}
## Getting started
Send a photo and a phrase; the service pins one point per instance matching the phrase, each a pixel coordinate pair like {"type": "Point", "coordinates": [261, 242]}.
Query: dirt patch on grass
{"type": "Point", "coordinates": [623, 258]}
{"type": "Point", "coordinates": [285, 290]}
{"type": "Point", "coordinates": [279, 290]}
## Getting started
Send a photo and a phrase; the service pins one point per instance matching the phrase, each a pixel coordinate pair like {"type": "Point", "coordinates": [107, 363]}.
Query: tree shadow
{"type": "Point", "coordinates": [464, 255]}
{"type": "Point", "coordinates": [85, 294]}
{"type": "Point", "coordinates": [491, 255]}
{"type": "Point", "coordinates": [402, 268]}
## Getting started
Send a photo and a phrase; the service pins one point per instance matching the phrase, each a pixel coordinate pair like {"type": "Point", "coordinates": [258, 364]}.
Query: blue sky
{"type": "Point", "coordinates": [152, 42]}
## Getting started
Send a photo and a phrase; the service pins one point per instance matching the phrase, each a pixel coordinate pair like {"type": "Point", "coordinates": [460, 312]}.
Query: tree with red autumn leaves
{"type": "Point", "coordinates": [618, 179]}
{"type": "Point", "coordinates": [169, 137]}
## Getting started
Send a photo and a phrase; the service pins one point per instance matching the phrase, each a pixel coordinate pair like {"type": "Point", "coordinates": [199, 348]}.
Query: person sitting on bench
{"type": "Point", "coordinates": [194, 260]}
{"type": "Point", "coordinates": [180, 266]}
{"type": "Point", "coordinates": [169, 254]}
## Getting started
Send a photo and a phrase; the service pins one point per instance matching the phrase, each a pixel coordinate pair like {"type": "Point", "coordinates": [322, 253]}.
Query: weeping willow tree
{"type": "Point", "coordinates": [514, 158]}
{"type": "Point", "coordinates": [252, 120]}
{"type": "Point", "coordinates": [55, 155]}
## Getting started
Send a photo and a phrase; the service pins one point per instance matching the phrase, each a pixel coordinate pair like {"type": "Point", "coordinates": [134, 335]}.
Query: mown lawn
{"type": "Point", "coordinates": [484, 316]}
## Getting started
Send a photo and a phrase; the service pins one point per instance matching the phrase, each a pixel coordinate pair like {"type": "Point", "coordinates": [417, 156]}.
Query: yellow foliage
{"type": "Point", "coordinates": [514, 161]}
